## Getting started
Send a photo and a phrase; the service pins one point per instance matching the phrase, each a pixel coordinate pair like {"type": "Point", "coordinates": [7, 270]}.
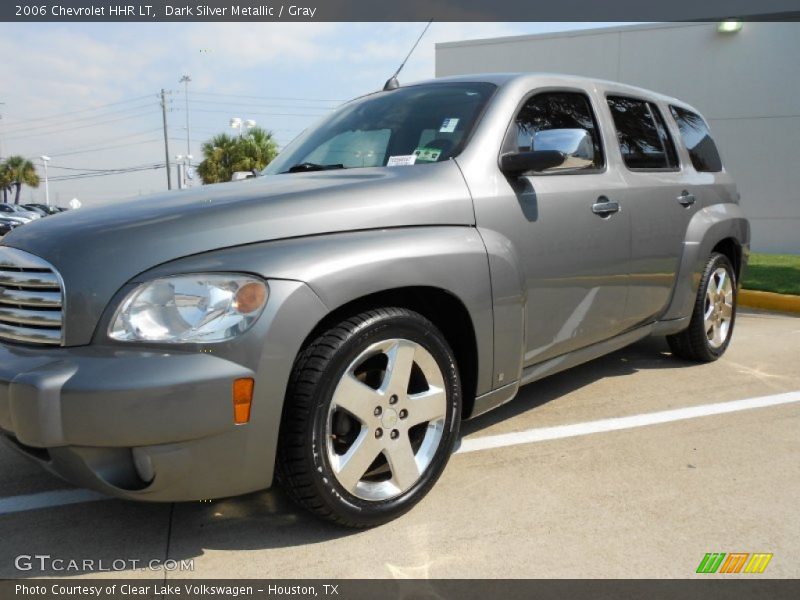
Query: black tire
{"type": "Point", "coordinates": [303, 466]}
{"type": "Point", "coordinates": [693, 343]}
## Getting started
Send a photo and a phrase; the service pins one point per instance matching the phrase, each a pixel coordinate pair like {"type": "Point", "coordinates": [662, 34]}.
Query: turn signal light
{"type": "Point", "coordinates": [242, 399]}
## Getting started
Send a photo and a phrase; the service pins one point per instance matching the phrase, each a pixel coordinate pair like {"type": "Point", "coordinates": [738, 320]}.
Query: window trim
{"type": "Point", "coordinates": [555, 89]}
{"type": "Point", "coordinates": [667, 169]}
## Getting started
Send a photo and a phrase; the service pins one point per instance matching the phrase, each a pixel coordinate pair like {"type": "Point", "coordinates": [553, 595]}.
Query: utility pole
{"type": "Point", "coordinates": [1, 129]}
{"type": "Point", "coordinates": [45, 160]}
{"type": "Point", "coordinates": [166, 137]}
{"type": "Point", "coordinates": [185, 80]}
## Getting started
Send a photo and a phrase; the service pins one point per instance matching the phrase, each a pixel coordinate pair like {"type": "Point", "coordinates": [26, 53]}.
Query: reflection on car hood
{"type": "Point", "coordinates": [97, 250]}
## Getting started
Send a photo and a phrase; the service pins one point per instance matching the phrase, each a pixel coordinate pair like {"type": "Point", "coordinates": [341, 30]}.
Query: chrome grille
{"type": "Point", "coordinates": [31, 299]}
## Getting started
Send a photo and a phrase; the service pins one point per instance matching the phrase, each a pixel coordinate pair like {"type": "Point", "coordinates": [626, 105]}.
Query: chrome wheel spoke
{"type": "Point", "coordinates": [717, 335]}
{"type": "Point", "coordinates": [721, 283]}
{"type": "Point", "coordinates": [709, 313]}
{"type": "Point", "coordinates": [354, 463]}
{"type": "Point", "coordinates": [398, 370]}
{"type": "Point", "coordinates": [430, 405]}
{"type": "Point", "coordinates": [402, 462]}
{"type": "Point", "coordinates": [726, 311]}
{"type": "Point", "coordinates": [355, 397]}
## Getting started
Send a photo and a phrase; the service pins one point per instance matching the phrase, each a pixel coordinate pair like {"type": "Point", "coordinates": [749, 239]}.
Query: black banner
{"type": "Point", "coordinates": [405, 10]}
{"type": "Point", "coordinates": [749, 587]}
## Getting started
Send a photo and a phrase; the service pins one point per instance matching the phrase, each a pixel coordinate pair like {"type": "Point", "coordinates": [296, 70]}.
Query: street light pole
{"type": "Point", "coordinates": [45, 160]}
{"type": "Point", "coordinates": [185, 80]}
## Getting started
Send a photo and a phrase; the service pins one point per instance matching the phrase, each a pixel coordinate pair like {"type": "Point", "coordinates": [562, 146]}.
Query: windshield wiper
{"type": "Point", "coordinates": [305, 167]}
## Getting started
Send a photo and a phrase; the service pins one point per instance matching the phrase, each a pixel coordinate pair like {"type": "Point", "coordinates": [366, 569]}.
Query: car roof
{"type": "Point", "coordinates": [554, 79]}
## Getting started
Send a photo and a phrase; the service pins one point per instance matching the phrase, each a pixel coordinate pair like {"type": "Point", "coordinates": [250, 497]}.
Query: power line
{"type": "Point", "coordinates": [101, 149]}
{"type": "Point", "coordinates": [26, 129]}
{"type": "Point", "coordinates": [268, 114]}
{"type": "Point", "coordinates": [101, 142]}
{"type": "Point", "coordinates": [267, 97]}
{"type": "Point", "coordinates": [75, 112]}
{"type": "Point", "coordinates": [125, 171]}
{"type": "Point", "coordinates": [95, 170]}
{"type": "Point", "coordinates": [256, 105]}
{"type": "Point", "coordinates": [86, 126]}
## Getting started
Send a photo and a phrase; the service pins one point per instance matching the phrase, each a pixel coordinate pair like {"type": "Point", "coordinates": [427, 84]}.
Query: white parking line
{"type": "Point", "coordinates": [16, 504]}
{"type": "Point", "coordinates": [476, 444]}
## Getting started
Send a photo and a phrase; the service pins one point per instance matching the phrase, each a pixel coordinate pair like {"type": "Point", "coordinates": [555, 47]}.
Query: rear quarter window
{"type": "Point", "coordinates": [697, 138]}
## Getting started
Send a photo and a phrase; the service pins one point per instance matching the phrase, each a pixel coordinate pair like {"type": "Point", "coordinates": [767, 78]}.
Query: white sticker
{"type": "Point", "coordinates": [401, 161]}
{"type": "Point", "coordinates": [448, 126]}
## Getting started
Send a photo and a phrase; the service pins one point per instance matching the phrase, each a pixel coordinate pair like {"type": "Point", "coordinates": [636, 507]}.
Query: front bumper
{"type": "Point", "coordinates": [156, 425]}
{"type": "Point", "coordinates": [91, 414]}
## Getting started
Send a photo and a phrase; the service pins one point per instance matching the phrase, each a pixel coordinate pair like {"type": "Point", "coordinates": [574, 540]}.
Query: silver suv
{"type": "Point", "coordinates": [407, 263]}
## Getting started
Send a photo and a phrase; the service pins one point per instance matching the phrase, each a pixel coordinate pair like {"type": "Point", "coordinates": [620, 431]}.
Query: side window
{"type": "Point", "coordinates": [697, 137]}
{"type": "Point", "coordinates": [560, 121]}
{"type": "Point", "coordinates": [642, 135]}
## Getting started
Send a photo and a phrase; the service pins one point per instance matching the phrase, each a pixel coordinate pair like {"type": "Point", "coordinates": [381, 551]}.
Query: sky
{"type": "Point", "coordinates": [87, 95]}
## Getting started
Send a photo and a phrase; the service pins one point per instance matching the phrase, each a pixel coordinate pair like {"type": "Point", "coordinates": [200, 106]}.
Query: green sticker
{"type": "Point", "coordinates": [427, 154]}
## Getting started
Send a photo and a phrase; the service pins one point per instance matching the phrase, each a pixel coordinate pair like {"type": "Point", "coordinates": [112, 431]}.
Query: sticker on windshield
{"type": "Point", "coordinates": [402, 160]}
{"type": "Point", "coordinates": [448, 126]}
{"type": "Point", "coordinates": [427, 154]}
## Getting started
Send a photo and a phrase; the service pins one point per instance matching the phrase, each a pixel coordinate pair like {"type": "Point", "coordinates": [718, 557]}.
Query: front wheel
{"type": "Point", "coordinates": [713, 316]}
{"type": "Point", "coordinates": [372, 413]}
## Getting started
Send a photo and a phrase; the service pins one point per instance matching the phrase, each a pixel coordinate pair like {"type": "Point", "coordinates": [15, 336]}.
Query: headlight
{"type": "Point", "coordinates": [204, 307]}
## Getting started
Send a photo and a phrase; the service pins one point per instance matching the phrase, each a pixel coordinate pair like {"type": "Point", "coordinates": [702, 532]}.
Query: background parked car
{"type": "Point", "coordinates": [6, 225]}
{"type": "Point", "coordinates": [42, 209]}
{"type": "Point", "coordinates": [19, 212]}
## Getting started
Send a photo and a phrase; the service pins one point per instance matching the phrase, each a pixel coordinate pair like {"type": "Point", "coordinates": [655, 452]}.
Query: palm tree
{"type": "Point", "coordinates": [5, 181]}
{"type": "Point", "coordinates": [224, 154]}
{"type": "Point", "coordinates": [21, 172]}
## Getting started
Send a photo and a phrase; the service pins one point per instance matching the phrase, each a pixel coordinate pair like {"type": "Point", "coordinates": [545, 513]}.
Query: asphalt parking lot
{"type": "Point", "coordinates": [576, 478]}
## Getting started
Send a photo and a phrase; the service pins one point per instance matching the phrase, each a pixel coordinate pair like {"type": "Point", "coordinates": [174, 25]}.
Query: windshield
{"type": "Point", "coordinates": [411, 125]}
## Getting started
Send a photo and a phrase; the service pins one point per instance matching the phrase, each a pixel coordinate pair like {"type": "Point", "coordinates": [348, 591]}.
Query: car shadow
{"type": "Point", "coordinates": [116, 529]}
{"type": "Point", "coordinates": [649, 353]}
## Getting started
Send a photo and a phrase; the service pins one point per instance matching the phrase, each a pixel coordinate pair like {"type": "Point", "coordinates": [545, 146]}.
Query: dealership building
{"type": "Point", "coordinates": [743, 77]}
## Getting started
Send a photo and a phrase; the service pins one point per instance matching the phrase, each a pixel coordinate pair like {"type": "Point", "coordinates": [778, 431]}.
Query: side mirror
{"type": "Point", "coordinates": [575, 143]}
{"type": "Point", "coordinates": [516, 163]}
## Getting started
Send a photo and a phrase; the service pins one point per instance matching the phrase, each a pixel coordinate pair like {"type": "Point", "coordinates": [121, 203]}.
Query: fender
{"type": "Point", "coordinates": [707, 228]}
{"type": "Point", "coordinates": [344, 267]}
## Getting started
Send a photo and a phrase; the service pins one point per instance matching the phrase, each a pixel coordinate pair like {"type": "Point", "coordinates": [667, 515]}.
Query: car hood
{"type": "Point", "coordinates": [98, 250]}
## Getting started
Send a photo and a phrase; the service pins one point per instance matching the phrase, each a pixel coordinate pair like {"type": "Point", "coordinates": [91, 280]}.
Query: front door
{"type": "Point", "coordinates": [570, 227]}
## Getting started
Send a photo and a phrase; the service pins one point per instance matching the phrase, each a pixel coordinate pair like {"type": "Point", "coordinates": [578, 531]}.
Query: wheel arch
{"type": "Point", "coordinates": [717, 228]}
{"type": "Point", "coordinates": [732, 249]}
{"type": "Point", "coordinates": [442, 308]}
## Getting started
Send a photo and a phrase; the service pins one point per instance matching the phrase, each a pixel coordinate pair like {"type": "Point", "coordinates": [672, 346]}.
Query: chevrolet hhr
{"type": "Point", "coordinates": [407, 263]}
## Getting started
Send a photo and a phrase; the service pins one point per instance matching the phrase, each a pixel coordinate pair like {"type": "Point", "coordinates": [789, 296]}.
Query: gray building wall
{"type": "Point", "coordinates": [746, 84]}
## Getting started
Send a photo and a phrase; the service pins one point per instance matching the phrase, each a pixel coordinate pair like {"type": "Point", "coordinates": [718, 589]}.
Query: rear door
{"type": "Point", "coordinates": [661, 202]}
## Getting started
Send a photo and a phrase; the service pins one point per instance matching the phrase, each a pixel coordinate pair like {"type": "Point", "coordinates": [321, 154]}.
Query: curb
{"type": "Point", "coordinates": [769, 301]}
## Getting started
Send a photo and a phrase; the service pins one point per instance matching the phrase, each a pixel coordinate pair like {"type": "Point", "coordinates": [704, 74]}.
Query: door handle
{"type": "Point", "coordinates": [686, 198]}
{"type": "Point", "coordinates": [605, 207]}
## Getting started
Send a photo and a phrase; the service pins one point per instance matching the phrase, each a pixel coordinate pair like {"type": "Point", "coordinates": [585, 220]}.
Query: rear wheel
{"type": "Point", "coordinates": [372, 413]}
{"type": "Point", "coordinates": [713, 317]}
